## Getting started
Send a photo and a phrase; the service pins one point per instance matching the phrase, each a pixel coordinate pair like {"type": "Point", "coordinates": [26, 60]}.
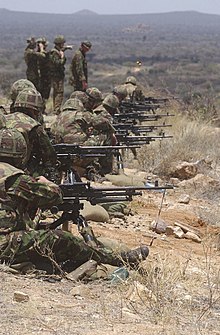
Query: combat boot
{"type": "Point", "coordinates": [135, 256]}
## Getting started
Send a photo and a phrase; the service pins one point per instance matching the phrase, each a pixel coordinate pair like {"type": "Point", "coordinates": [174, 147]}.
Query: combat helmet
{"type": "Point", "coordinates": [120, 91]}
{"type": "Point", "coordinates": [131, 80]}
{"type": "Point", "coordinates": [29, 98]}
{"type": "Point", "coordinates": [82, 96]}
{"type": "Point", "coordinates": [18, 86]}
{"type": "Point", "coordinates": [94, 94]}
{"type": "Point", "coordinates": [42, 40]}
{"type": "Point", "coordinates": [73, 104]}
{"type": "Point", "coordinates": [59, 39]}
{"type": "Point", "coordinates": [86, 44]}
{"type": "Point", "coordinates": [111, 101]}
{"type": "Point", "coordinates": [13, 147]}
{"type": "Point", "coordinates": [2, 120]}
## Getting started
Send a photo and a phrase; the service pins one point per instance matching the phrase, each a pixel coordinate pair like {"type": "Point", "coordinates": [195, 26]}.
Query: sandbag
{"type": "Point", "coordinates": [94, 212]}
{"type": "Point", "coordinates": [125, 180]}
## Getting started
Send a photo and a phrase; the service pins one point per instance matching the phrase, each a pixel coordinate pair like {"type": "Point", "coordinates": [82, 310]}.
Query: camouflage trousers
{"type": "Point", "coordinates": [52, 248]}
{"type": "Point", "coordinates": [58, 91]}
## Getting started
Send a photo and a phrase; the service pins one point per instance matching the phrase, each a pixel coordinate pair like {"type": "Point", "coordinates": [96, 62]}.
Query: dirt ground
{"type": "Point", "coordinates": [178, 293]}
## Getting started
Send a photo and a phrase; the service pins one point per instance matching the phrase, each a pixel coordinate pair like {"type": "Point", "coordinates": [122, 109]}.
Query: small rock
{"type": "Point", "coordinates": [184, 199]}
{"type": "Point", "coordinates": [159, 226]}
{"type": "Point", "coordinates": [84, 271]}
{"type": "Point", "coordinates": [170, 230]}
{"type": "Point", "coordinates": [20, 296]}
{"type": "Point", "coordinates": [178, 232]}
{"type": "Point", "coordinates": [192, 236]}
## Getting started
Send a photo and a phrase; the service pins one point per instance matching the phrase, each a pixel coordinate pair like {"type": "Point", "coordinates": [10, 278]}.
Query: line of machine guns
{"type": "Point", "coordinates": [130, 133]}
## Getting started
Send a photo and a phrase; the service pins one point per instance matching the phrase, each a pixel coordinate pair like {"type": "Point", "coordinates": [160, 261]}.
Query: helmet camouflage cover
{"type": "Point", "coordinates": [59, 39]}
{"type": "Point", "coordinates": [121, 91]}
{"type": "Point", "coordinates": [131, 80]}
{"type": "Point", "coordinates": [29, 98]}
{"type": "Point", "coordinates": [13, 147]}
{"type": "Point", "coordinates": [82, 96]}
{"type": "Point", "coordinates": [18, 86]}
{"type": "Point", "coordinates": [73, 104]}
{"type": "Point", "coordinates": [42, 40]}
{"type": "Point", "coordinates": [94, 94]}
{"type": "Point", "coordinates": [111, 101]}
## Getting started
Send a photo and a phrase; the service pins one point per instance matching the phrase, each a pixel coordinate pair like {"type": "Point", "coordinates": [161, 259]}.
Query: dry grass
{"type": "Point", "coordinates": [177, 290]}
{"type": "Point", "coordinates": [192, 141]}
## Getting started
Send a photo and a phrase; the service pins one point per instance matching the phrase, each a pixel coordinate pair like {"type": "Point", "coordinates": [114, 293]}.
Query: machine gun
{"type": "Point", "coordinates": [138, 116]}
{"type": "Point", "coordinates": [127, 128]}
{"type": "Point", "coordinates": [74, 191]}
{"type": "Point", "coordinates": [67, 153]}
{"type": "Point", "coordinates": [152, 100]}
{"type": "Point", "coordinates": [139, 140]}
{"type": "Point", "coordinates": [129, 106]}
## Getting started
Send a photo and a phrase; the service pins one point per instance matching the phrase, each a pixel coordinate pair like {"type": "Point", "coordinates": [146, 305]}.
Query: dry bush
{"type": "Point", "coordinates": [192, 141]}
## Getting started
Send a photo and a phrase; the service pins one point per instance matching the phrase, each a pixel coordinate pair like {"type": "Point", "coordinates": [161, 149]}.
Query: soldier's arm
{"type": "Point", "coordinates": [43, 146]}
{"type": "Point", "coordinates": [55, 58]}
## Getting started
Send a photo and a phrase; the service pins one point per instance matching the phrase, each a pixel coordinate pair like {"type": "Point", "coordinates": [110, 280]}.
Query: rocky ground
{"type": "Point", "coordinates": [176, 290]}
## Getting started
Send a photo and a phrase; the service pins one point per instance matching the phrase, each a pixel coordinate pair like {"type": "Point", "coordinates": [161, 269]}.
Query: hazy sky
{"type": "Point", "coordinates": [112, 6]}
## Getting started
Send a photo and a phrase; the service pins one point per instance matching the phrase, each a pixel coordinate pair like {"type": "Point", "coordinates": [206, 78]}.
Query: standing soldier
{"type": "Point", "coordinates": [31, 55]}
{"type": "Point", "coordinates": [57, 71]}
{"type": "Point", "coordinates": [78, 68]}
{"type": "Point", "coordinates": [44, 69]}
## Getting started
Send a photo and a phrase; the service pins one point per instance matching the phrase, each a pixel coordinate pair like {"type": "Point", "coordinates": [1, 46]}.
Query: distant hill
{"type": "Point", "coordinates": [85, 12]}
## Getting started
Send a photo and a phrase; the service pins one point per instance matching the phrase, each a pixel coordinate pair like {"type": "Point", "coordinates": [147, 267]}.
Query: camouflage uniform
{"type": "Point", "coordinates": [31, 57]}
{"type": "Point", "coordinates": [134, 91]}
{"type": "Point", "coordinates": [27, 109]}
{"type": "Point", "coordinates": [57, 73]}
{"type": "Point", "coordinates": [44, 71]}
{"type": "Point", "coordinates": [78, 68]}
{"type": "Point", "coordinates": [2, 120]}
{"type": "Point", "coordinates": [72, 124]}
{"type": "Point", "coordinates": [20, 243]}
{"type": "Point", "coordinates": [36, 138]}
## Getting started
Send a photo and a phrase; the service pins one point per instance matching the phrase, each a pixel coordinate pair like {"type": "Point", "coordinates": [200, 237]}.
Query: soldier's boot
{"type": "Point", "coordinates": [135, 256]}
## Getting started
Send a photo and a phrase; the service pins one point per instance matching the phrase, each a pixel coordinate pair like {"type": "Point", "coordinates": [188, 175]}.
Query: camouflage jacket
{"type": "Point", "coordinates": [38, 142]}
{"type": "Point", "coordinates": [57, 64]}
{"type": "Point", "coordinates": [6, 171]}
{"type": "Point", "coordinates": [134, 92]}
{"type": "Point", "coordinates": [78, 67]}
{"type": "Point", "coordinates": [102, 120]}
{"type": "Point", "coordinates": [31, 57]}
{"type": "Point", "coordinates": [71, 127]}
{"type": "Point", "coordinates": [23, 194]}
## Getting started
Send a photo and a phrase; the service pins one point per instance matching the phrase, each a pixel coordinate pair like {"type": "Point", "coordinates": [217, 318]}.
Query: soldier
{"type": "Point", "coordinates": [57, 71]}
{"type": "Point", "coordinates": [31, 56]}
{"type": "Point", "coordinates": [27, 106]}
{"type": "Point", "coordinates": [44, 69]}
{"type": "Point", "coordinates": [104, 114]}
{"type": "Point", "coordinates": [98, 118]}
{"type": "Point", "coordinates": [95, 98]}
{"type": "Point", "coordinates": [17, 87]}
{"type": "Point", "coordinates": [78, 68]}
{"type": "Point", "coordinates": [23, 247]}
{"type": "Point", "coordinates": [72, 124]}
{"type": "Point", "coordinates": [134, 91]}
{"type": "Point", "coordinates": [120, 92]}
